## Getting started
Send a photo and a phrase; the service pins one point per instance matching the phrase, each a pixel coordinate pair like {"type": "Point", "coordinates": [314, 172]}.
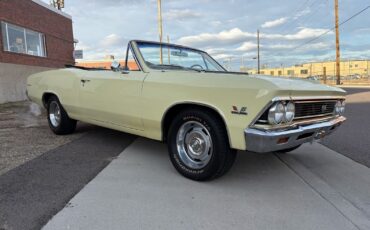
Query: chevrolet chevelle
{"type": "Point", "coordinates": [182, 96]}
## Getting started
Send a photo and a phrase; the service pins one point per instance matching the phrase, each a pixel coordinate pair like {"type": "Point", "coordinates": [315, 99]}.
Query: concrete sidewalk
{"type": "Point", "coordinates": [311, 188]}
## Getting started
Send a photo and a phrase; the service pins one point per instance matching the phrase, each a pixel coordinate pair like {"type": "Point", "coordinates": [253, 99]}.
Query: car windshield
{"type": "Point", "coordinates": [175, 57]}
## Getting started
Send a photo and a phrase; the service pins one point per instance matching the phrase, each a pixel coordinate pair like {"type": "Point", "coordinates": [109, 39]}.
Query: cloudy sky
{"type": "Point", "coordinates": [226, 29]}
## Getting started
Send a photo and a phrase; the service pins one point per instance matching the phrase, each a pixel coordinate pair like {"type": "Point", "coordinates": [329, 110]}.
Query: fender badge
{"type": "Point", "coordinates": [242, 111]}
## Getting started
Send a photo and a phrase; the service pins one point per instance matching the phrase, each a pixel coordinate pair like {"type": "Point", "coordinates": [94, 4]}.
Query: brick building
{"type": "Point", "coordinates": [34, 37]}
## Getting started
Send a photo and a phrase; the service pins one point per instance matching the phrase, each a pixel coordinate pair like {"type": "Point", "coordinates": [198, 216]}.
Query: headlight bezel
{"type": "Point", "coordinates": [281, 112]}
{"type": "Point", "coordinates": [339, 107]}
{"type": "Point", "coordinates": [343, 107]}
{"type": "Point", "coordinates": [289, 112]}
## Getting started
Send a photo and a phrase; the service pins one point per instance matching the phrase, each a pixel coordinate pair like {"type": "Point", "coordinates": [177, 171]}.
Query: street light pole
{"type": "Point", "coordinates": [258, 53]}
{"type": "Point", "coordinates": [337, 42]}
{"type": "Point", "coordinates": [160, 30]}
{"type": "Point", "coordinates": [168, 43]}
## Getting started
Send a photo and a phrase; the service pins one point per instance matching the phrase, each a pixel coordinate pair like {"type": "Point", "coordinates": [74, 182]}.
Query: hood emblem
{"type": "Point", "coordinates": [241, 111]}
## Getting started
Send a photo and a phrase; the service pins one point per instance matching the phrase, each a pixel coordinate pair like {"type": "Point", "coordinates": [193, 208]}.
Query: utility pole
{"type": "Point", "coordinates": [258, 52]}
{"type": "Point", "coordinates": [337, 42]}
{"type": "Point", "coordinates": [242, 67]}
{"type": "Point", "coordinates": [160, 30]}
{"type": "Point", "coordinates": [168, 43]}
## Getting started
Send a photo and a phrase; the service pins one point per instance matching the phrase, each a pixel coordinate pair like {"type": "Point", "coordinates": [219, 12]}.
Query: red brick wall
{"type": "Point", "coordinates": [56, 28]}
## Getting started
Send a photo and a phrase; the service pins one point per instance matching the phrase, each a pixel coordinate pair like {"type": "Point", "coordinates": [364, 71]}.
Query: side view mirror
{"type": "Point", "coordinates": [115, 66]}
{"type": "Point", "coordinates": [125, 70]}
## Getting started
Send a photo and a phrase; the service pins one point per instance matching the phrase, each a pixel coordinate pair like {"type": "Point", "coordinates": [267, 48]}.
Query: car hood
{"type": "Point", "coordinates": [296, 83]}
{"type": "Point", "coordinates": [290, 86]}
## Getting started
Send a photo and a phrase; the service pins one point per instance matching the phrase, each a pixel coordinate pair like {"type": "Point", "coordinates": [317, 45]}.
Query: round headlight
{"type": "Point", "coordinates": [289, 112]}
{"type": "Point", "coordinates": [342, 108]}
{"type": "Point", "coordinates": [276, 113]}
{"type": "Point", "coordinates": [338, 107]}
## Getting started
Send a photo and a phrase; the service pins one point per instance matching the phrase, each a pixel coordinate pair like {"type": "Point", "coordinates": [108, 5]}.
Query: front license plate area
{"type": "Point", "coordinates": [320, 134]}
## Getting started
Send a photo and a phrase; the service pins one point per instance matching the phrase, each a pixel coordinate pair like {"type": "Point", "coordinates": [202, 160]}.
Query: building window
{"type": "Point", "coordinates": [279, 72]}
{"type": "Point", "coordinates": [272, 73]}
{"type": "Point", "coordinates": [304, 71]}
{"type": "Point", "coordinates": [291, 72]}
{"type": "Point", "coordinates": [20, 40]}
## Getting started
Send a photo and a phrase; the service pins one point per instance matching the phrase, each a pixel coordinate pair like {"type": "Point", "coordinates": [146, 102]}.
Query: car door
{"type": "Point", "coordinates": [112, 97]}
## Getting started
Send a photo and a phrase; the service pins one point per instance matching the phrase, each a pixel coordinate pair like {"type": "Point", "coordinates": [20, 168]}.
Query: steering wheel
{"type": "Point", "coordinates": [196, 65]}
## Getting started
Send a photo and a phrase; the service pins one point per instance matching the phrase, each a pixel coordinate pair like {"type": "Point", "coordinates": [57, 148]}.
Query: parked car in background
{"type": "Point", "coordinates": [182, 96]}
{"type": "Point", "coordinates": [313, 78]}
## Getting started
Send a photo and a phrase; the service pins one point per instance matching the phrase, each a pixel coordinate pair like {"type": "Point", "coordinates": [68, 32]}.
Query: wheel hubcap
{"type": "Point", "coordinates": [194, 145]}
{"type": "Point", "coordinates": [54, 114]}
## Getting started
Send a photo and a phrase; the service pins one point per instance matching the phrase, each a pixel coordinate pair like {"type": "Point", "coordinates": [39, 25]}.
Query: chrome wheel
{"type": "Point", "coordinates": [54, 114]}
{"type": "Point", "coordinates": [194, 145]}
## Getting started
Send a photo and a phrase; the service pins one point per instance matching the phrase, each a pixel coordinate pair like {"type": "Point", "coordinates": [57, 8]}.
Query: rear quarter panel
{"type": "Point", "coordinates": [62, 83]}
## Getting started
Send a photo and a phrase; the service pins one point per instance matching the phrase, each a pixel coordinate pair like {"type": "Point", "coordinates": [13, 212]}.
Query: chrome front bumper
{"type": "Point", "coordinates": [262, 141]}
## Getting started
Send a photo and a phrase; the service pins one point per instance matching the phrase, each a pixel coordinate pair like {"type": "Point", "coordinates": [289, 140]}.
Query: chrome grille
{"type": "Point", "coordinates": [312, 109]}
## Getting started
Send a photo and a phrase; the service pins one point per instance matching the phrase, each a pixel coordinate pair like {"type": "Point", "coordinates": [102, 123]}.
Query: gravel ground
{"type": "Point", "coordinates": [25, 135]}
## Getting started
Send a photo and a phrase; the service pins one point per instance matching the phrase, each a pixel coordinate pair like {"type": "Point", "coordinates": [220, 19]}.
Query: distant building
{"type": "Point", "coordinates": [34, 37]}
{"type": "Point", "coordinates": [106, 64]}
{"type": "Point", "coordinates": [358, 68]}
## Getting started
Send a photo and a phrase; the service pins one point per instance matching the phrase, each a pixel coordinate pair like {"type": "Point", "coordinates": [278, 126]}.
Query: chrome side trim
{"type": "Point", "coordinates": [262, 141]}
{"type": "Point", "coordinates": [318, 100]}
{"type": "Point", "coordinates": [301, 98]}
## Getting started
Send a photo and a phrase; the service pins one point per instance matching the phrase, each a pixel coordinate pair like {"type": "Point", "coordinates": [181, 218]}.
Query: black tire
{"type": "Point", "coordinates": [288, 150]}
{"type": "Point", "coordinates": [222, 156]}
{"type": "Point", "coordinates": [65, 125]}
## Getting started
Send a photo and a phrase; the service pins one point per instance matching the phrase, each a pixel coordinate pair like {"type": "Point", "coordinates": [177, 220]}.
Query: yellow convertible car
{"type": "Point", "coordinates": [182, 96]}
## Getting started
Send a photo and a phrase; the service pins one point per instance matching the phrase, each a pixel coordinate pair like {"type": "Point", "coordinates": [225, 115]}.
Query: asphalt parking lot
{"type": "Point", "coordinates": [99, 178]}
{"type": "Point", "coordinates": [352, 139]}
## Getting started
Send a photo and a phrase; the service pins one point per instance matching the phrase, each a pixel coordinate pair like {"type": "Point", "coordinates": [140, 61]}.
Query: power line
{"type": "Point", "coordinates": [329, 30]}
{"type": "Point", "coordinates": [310, 17]}
{"type": "Point", "coordinates": [300, 8]}
{"type": "Point", "coordinates": [297, 18]}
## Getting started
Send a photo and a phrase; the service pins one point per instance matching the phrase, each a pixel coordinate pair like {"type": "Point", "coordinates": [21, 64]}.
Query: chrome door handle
{"type": "Point", "coordinates": [83, 81]}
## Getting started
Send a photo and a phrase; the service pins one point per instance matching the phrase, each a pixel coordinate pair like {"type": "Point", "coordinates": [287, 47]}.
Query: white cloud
{"type": "Point", "coordinates": [247, 46]}
{"type": "Point", "coordinates": [306, 33]}
{"type": "Point", "coordinates": [236, 35]}
{"type": "Point", "coordinates": [228, 36]}
{"type": "Point", "coordinates": [112, 40]}
{"type": "Point", "coordinates": [281, 46]}
{"type": "Point", "coordinates": [302, 13]}
{"type": "Point", "coordinates": [82, 46]}
{"type": "Point", "coordinates": [223, 56]}
{"type": "Point", "coordinates": [274, 23]}
{"type": "Point", "coordinates": [214, 51]}
{"type": "Point", "coordinates": [303, 33]}
{"type": "Point", "coordinates": [175, 14]}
